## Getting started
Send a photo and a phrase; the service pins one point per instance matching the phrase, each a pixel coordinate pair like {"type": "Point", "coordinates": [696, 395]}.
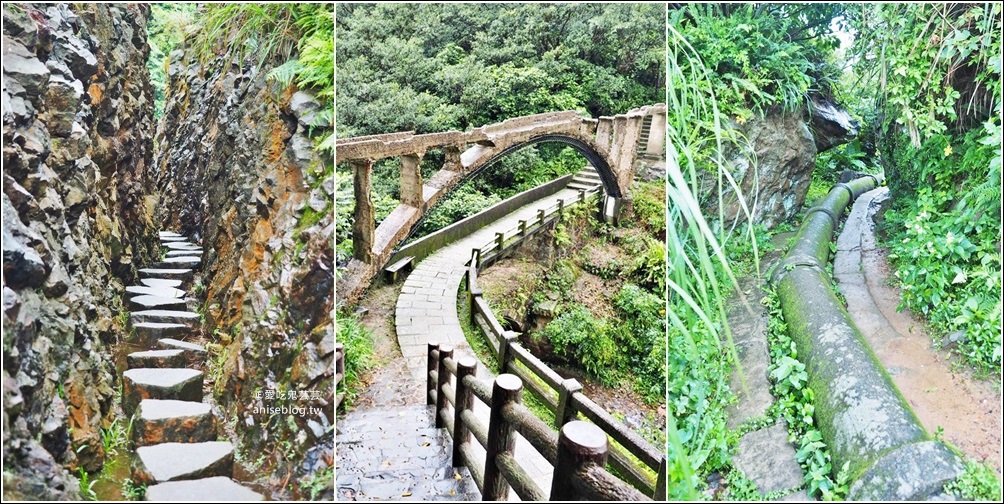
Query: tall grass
{"type": "Point", "coordinates": [700, 277]}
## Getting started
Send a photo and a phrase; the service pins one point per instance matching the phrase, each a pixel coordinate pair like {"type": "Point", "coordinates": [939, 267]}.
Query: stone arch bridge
{"type": "Point", "coordinates": [611, 145]}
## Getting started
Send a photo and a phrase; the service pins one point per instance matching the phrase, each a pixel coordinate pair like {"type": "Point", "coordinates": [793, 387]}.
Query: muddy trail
{"type": "Point", "coordinates": [940, 389]}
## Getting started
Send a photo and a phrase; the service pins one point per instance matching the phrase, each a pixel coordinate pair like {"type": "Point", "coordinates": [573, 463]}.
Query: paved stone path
{"type": "Point", "coordinates": [764, 456]}
{"type": "Point", "coordinates": [177, 453]}
{"type": "Point", "coordinates": [968, 410]}
{"type": "Point", "coordinates": [427, 310]}
{"type": "Point", "coordinates": [388, 449]}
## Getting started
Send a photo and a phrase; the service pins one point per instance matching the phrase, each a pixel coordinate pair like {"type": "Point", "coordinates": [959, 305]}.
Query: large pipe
{"type": "Point", "coordinates": [859, 411]}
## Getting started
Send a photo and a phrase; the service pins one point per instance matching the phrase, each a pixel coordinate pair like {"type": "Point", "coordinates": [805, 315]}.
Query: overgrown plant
{"type": "Point", "coordinates": [357, 342]}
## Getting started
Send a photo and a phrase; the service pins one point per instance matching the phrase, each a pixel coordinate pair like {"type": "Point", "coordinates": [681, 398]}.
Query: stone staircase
{"type": "Point", "coordinates": [177, 454]}
{"type": "Point", "coordinates": [398, 454]}
{"type": "Point", "coordinates": [585, 179]}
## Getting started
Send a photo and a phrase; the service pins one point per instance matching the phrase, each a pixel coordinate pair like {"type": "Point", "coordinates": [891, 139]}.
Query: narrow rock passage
{"type": "Point", "coordinates": [968, 410]}
{"type": "Point", "coordinates": [177, 453]}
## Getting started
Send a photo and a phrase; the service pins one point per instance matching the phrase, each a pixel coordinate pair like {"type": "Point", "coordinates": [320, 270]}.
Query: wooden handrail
{"type": "Point", "coordinates": [456, 385]}
{"type": "Point", "coordinates": [561, 396]}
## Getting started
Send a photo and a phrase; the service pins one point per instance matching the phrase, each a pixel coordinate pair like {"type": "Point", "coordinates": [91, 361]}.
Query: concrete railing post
{"type": "Point", "coordinates": [411, 179]}
{"type": "Point", "coordinates": [579, 444]}
{"type": "Point", "coordinates": [507, 389]}
{"type": "Point", "coordinates": [466, 366]}
{"type": "Point", "coordinates": [443, 378]}
{"type": "Point", "coordinates": [363, 224]}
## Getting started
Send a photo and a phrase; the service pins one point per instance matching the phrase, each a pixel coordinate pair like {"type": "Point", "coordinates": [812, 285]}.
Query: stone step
{"type": "Point", "coordinates": [174, 253]}
{"type": "Point", "coordinates": [178, 262]}
{"type": "Point", "coordinates": [148, 302]}
{"type": "Point", "coordinates": [182, 461]}
{"type": "Point", "coordinates": [168, 292]}
{"type": "Point", "coordinates": [168, 316]}
{"type": "Point", "coordinates": [169, 273]}
{"type": "Point", "coordinates": [218, 488]}
{"type": "Point", "coordinates": [580, 186]}
{"type": "Point", "coordinates": [160, 282]}
{"type": "Point", "coordinates": [172, 239]}
{"type": "Point", "coordinates": [182, 246]}
{"type": "Point", "coordinates": [170, 421]}
{"type": "Point", "coordinates": [170, 343]}
{"type": "Point", "coordinates": [154, 383]}
{"type": "Point", "coordinates": [157, 330]}
{"type": "Point", "coordinates": [156, 359]}
{"type": "Point", "coordinates": [167, 234]}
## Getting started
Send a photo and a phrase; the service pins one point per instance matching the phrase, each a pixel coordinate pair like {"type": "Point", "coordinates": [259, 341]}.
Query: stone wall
{"type": "Point", "coordinates": [238, 171]}
{"type": "Point", "coordinates": [77, 219]}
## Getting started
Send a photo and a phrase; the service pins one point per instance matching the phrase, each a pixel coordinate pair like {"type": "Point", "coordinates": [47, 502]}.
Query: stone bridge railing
{"type": "Point", "coordinates": [611, 144]}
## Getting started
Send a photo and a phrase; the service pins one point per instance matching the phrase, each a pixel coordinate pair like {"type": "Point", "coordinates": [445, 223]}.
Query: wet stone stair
{"type": "Point", "coordinates": [177, 454]}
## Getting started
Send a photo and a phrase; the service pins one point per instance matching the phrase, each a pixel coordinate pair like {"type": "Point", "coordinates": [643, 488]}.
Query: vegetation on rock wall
{"type": "Point", "coordinates": [932, 72]}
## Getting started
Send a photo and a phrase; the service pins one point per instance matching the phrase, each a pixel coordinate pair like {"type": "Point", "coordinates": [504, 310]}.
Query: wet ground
{"type": "Point", "coordinates": [941, 390]}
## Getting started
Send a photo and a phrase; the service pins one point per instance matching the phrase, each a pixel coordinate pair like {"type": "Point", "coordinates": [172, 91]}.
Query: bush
{"type": "Point", "coordinates": [578, 336]}
{"type": "Point", "coordinates": [358, 344]}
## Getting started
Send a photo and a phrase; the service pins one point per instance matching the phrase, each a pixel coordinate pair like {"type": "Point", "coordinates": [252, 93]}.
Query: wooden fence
{"type": "Point", "coordinates": [578, 451]}
{"type": "Point", "coordinates": [637, 461]}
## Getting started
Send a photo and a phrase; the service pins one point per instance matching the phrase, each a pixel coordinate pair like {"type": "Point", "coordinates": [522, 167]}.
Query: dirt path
{"type": "Point", "coordinates": [941, 392]}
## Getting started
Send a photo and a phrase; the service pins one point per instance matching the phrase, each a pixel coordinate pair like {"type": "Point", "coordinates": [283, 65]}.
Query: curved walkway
{"type": "Point", "coordinates": [968, 410]}
{"type": "Point", "coordinates": [427, 312]}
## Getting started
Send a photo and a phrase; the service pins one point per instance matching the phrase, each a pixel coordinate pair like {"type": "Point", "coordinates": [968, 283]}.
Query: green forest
{"type": "Point", "coordinates": [432, 68]}
{"type": "Point", "coordinates": [924, 83]}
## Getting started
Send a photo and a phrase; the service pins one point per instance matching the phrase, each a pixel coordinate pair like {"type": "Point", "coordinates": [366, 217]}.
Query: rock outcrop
{"type": "Point", "coordinates": [237, 159]}
{"type": "Point", "coordinates": [782, 146]}
{"type": "Point", "coordinates": [77, 117]}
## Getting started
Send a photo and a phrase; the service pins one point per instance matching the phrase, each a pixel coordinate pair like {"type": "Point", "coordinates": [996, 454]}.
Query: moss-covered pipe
{"type": "Point", "coordinates": [860, 412]}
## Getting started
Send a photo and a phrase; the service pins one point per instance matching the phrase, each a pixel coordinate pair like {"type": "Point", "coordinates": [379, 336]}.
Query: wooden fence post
{"type": "Point", "coordinates": [660, 481]}
{"type": "Point", "coordinates": [505, 355]}
{"type": "Point", "coordinates": [565, 413]}
{"type": "Point", "coordinates": [499, 241]}
{"type": "Point", "coordinates": [430, 385]}
{"type": "Point", "coordinates": [444, 378]}
{"type": "Point", "coordinates": [501, 436]}
{"type": "Point", "coordinates": [466, 366]}
{"type": "Point", "coordinates": [540, 216]}
{"type": "Point", "coordinates": [522, 227]}
{"type": "Point", "coordinates": [579, 443]}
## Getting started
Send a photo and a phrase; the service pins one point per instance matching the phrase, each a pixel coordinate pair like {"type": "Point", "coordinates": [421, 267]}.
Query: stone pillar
{"type": "Point", "coordinates": [604, 131]}
{"type": "Point", "coordinates": [411, 179]}
{"type": "Point", "coordinates": [623, 150]}
{"type": "Point", "coordinates": [451, 158]}
{"type": "Point", "coordinates": [657, 135]}
{"type": "Point", "coordinates": [363, 223]}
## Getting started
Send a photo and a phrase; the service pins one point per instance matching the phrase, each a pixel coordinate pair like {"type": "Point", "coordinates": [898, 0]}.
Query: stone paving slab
{"type": "Point", "coordinates": [171, 421]}
{"type": "Point", "coordinates": [160, 282]}
{"type": "Point", "coordinates": [148, 302]}
{"type": "Point", "coordinates": [183, 461]}
{"type": "Point", "coordinates": [767, 459]}
{"type": "Point", "coordinates": [184, 253]}
{"type": "Point", "coordinates": [166, 316]}
{"type": "Point", "coordinates": [154, 383]}
{"type": "Point", "coordinates": [157, 330]}
{"type": "Point", "coordinates": [170, 273]}
{"type": "Point", "coordinates": [218, 488]}
{"type": "Point", "coordinates": [167, 292]}
{"type": "Point", "coordinates": [182, 246]}
{"type": "Point", "coordinates": [156, 359]}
